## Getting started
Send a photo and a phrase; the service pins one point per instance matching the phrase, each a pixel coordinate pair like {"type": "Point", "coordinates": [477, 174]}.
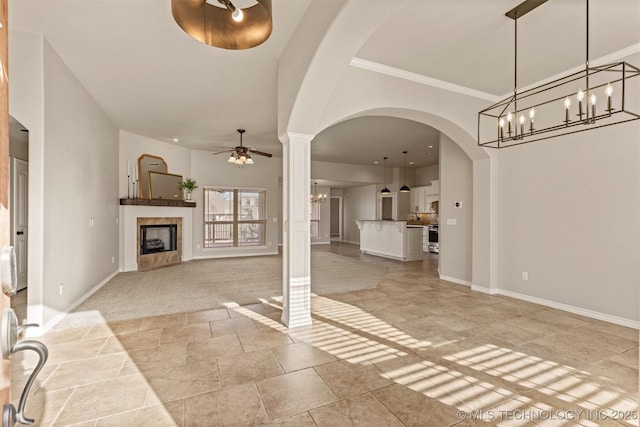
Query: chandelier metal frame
{"type": "Point", "coordinates": [544, 111]}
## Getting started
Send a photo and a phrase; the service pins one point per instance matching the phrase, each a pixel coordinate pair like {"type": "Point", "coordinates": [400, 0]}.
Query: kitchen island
{"type": "Point", "coordinates": [390, 239]}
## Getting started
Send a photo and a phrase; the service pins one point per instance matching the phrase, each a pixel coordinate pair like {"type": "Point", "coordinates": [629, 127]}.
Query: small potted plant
{"type": "Point", "coordinates": [188, 185]}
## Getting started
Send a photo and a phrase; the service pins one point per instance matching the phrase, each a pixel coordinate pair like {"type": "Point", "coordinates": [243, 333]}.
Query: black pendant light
{"type": "Point", "coordinates": [405, 188]}
{"type": "Point", "coordinates": [385, 190]}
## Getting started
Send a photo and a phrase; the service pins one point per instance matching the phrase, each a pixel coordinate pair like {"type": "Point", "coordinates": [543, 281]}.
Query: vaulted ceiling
{"type": "Point", "coordinates": [153, 79]}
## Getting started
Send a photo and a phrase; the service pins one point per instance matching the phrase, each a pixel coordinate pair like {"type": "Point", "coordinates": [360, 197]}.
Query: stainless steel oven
{"type": "Point", "coordinates": [434, 245]}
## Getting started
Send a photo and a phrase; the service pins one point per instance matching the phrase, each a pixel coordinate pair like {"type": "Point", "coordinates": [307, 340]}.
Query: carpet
{"type": "Point", "coordinates": [208, 284]}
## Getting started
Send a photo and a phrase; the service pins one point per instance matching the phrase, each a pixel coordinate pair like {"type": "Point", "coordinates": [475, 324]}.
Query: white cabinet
{"type": "Point", "coordinates": [421, 198]}
{"type": "Point", "coordinates": [390, 239]}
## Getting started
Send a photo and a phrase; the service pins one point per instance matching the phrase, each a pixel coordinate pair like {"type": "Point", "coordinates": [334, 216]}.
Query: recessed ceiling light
{"type": "Point", "coordinates": [376, 162]}
{"type": "Point", "coordinates": [175, 139]}
{"type": "Point", "coordinates": [431, 146]}
{"type": "Point", "coordinates": [410, 163]}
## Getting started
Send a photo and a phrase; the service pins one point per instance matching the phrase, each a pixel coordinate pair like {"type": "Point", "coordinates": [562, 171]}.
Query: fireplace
{"type": "Point", "coordinates": [158, 238]}
{"type": "Point", "coordinates": [159, 242]}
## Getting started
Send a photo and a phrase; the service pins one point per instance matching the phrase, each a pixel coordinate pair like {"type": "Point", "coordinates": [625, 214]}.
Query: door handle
{"type": "Point", "coordinates": [19, 233]}
{"type": "Point", "coordinates": [9, 337]}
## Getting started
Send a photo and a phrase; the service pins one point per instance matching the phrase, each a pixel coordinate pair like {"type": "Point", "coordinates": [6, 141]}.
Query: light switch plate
{"type": "Point", "coordinates": [452, 221]}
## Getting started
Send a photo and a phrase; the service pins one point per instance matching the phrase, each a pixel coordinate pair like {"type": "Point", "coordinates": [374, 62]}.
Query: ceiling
{"type": "Point", "coordinates": [154, 80]}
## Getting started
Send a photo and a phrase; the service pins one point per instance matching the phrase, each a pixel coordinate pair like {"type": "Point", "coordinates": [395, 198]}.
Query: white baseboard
{"type": "Point", "coordinates": [320, 243]}
{"type": "Point", "coordinates": [234, 255]}
{"type": "Point", "coordinates": [484, 290]}
{"type": "Point", "coordinates": [572, 309]}
{"type": "Point", "coordinates": [454, 280]}
{"type": "Point", "coordinates": [53, 322]}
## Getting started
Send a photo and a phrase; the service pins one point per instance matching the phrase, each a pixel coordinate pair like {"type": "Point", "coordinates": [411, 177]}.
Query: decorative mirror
{"type": "Point", "coordinates": [164, 186]}
{"type": "Point", "coordinates": [148, 163]}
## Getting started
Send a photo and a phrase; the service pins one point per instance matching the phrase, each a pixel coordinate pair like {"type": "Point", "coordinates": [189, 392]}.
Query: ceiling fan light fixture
{"type": "Point", "coordinates": [232, 158]}
{"type": "Point", "coordinates": [227, 27]}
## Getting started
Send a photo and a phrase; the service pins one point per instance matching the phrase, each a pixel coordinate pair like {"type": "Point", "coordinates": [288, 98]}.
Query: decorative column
{"type": "Point", "coordinates": [296, 232]}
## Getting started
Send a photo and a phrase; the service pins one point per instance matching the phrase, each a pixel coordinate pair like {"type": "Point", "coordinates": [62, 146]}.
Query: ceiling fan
{"type": "Point", "coordinates": [241, 155]}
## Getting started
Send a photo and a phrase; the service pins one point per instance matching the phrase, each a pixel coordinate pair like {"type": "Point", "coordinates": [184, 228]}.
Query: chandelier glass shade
{"type": "Point", "coordinates": [220, 23]}
{"type": "Point", "coordinates": [317, 198]}
{"type": "Point", "coordinates": [587, 99]}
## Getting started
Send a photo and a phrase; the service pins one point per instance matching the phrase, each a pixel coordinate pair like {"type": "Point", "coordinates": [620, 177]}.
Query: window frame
{"type": "Point", "coordinates": [235, 222]}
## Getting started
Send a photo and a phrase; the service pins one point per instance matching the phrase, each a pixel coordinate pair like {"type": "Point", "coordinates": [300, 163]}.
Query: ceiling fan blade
{"type": "Point", "coordinates": [225, 151]}
{"type": "Point", "coordinates": [260, 153]}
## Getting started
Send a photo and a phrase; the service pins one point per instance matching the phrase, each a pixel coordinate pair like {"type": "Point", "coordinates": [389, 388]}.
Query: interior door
{"type": "Point", "coordinates": [5, 379]}
{"type": "Point", "coordinates": [19, 217]}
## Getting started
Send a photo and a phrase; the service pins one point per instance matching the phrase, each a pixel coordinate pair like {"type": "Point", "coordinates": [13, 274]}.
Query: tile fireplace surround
{"type": "Point", "coordinates": [152, 261]}
{"type": "Point", "coordinates": [129, 244]}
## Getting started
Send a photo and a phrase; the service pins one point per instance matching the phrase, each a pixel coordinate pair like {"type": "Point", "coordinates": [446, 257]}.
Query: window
{"type": "Point", "coordinates": [234, 217]}
{"type": "Point", "coordinates": [315, 220]}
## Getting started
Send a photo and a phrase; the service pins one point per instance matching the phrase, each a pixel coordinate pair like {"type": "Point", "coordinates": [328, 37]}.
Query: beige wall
{"type": "Point", "coordinates": [456, 185]}
{"type": "Point", "coordinates": [569, 216]}
{"type": "Point", "coordinates": [73, 164]}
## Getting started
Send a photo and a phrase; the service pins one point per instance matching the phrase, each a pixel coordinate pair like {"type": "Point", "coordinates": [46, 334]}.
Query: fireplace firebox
{"type": "Point", "coordinates": [158, 238]}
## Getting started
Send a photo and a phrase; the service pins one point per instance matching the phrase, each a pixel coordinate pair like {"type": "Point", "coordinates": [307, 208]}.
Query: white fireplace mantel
{"type": "Point", "coordinates": [129, 215]}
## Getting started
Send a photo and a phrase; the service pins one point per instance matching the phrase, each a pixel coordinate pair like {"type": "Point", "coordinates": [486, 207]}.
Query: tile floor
{"type": "Point", "coordinates": [414, 351]}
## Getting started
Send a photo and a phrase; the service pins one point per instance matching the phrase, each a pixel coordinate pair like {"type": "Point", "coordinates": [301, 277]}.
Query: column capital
{"type": "Point", "coordinates": [286, 137]}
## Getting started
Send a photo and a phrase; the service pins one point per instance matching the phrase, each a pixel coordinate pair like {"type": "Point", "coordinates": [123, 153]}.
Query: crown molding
{"type": "Point", "coordinates": [421, 79]}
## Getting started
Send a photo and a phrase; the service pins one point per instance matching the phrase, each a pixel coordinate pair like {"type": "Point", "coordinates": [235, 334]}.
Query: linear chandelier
{"type": "Point", "coordinates": [588, 99]}
{"type": "Point", "coordinates": [220, 23]}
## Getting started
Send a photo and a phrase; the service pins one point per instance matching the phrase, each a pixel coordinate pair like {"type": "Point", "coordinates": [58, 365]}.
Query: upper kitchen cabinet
{"type": "Point", "coordinates": [421, 198]}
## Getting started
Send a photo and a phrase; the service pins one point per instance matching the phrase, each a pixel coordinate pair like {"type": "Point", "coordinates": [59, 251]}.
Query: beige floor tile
{"type": "Point", "coordinates": [413, 408]}
{"type": "Point", "coordinates": [131, 342]}
{"type": "Point", "coordinates": [235, 406]}
{"type": "Point", "coordinates": [74, 350]}
{"type": "Point", "coordinates": [87, 371]}
{"type": "Point", "coordinates": [19, 380]}
{"type": "Point", "coordinates": [247, 367]}
{"type": "Point", "coordinates": [164, 356]}
{"type": "Point", "coordinates": [207, 315]}
{"type": "Point", "coordinates": [44, 406]}
{"type": "Point", "coordinates": [183, 381]}
{"type": "Point", "coordinates": [161, 322]}
{"type": "Point", "coordinates": [293, 393]}
{"type": "Point", "coordinates": [105, 398]}
{"type": "Point", "coordinates": [364, 410]}
{"type": "Point", "coordinates": [615, 374]}
{"type": "Point", "coordinates": [114, 328]}
{"type": "Point", "coordinates": [300, 355]}
{"type": "Point", "coordinates": [65, 335]}
{"type": "Point", "coordinates": [231, 326]}
{"type": "Point", "coordinates": [613, 329]}
{"type": "Point", "coordinates": [169, 414]}
{"type": "Point", "coordinates": [211, 348]}
{"type": "Point", "coordinates": [629, 358]}
{"type": "Point", "coordinates": [346, 379]}
{"type": "Point", "coordinates": [186, 333]}
{"type": "Point", "coordinates": [263, 339]}
{"type": "Point", "coordinates": [300, 420]}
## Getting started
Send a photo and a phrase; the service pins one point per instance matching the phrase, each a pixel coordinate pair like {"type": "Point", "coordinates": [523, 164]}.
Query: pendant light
{"type": "Point", "coordinates": [405, 188]}
{"type": "Point", "coordinates": [385, 190]}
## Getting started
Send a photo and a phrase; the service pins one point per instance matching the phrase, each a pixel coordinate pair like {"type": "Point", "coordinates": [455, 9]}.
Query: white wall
{"type": "Point", "coordinates": [425, 175]}
{"type": "Point", "coordinates": [72, 177]}
{"type": "Point", "coordinates": [215, 171]}
{"type": "Point", "coordinates": [456, 185]}
{"type": "Point", "coordinates": [325, 217]}
{"type": "Point", "coordinates": [358, 203]}
{"type": "Point", "coordinates": [569, 210]}
{"type": "Point", "coordinates": [133, 146]}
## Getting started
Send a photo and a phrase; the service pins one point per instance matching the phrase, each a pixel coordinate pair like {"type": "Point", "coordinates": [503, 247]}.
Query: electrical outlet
{"type": "Point", "coordinates": [113, 260]}
{"type": "Point", "coordinates": [61, 289]}
{"type": "Point", "coordinates": [525, 275]}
